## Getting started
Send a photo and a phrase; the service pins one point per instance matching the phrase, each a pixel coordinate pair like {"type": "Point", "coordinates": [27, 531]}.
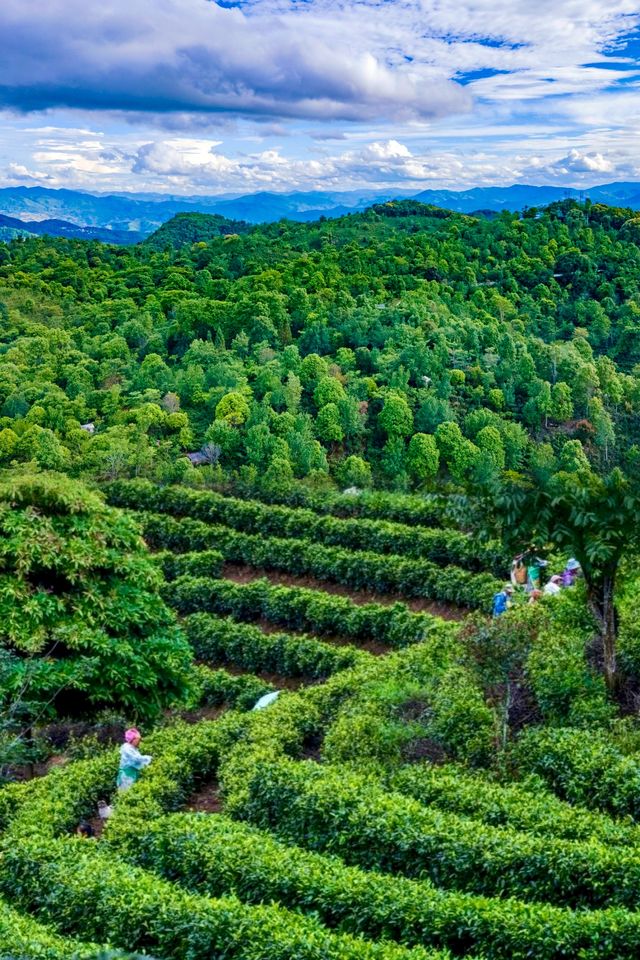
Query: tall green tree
{"type": "Point", "coordinates": [81, 619]}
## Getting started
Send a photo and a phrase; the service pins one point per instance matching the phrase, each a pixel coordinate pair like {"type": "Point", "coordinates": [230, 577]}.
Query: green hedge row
{"type": "Point", "coordinates": [428, 510]}
{"type": "Point", "coordinates": [218, 688]}
{"type": "Point", "coordinates": [203, 563]}
{"type": "Point", "coordinates": [221, 640]}
{"type": "Point", "coordinates": [379, 536]}
{"type": "Point", "coordinates": [53, 805]}
{"type": "Point", "coordinates": [299, 608]}
{"type": "Point", "coordinates": [337, 811]}
{"type": "Point", "coordinates": [12, 795]}
{"type": "Point", "coordinates": [360, 570]}
{"type": "Point", "coordinates": [22, 938]}
{"type": "Point", "coordinates": [91, 893]}
{"type": "Point", "coordinates": [186, 756]}
{"type": "Point", "coordinates": [583, 767]}
{"type": "Point", "coordinates": [56, 803]}
{"type": "Point", "coordinates": [191, 754]}
{"type": "Point", "coordinates": [533, 810]}
{"type": "Point", "coordinates": [213, 855]}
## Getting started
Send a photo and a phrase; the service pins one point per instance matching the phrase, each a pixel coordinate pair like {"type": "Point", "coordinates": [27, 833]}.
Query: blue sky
{"type": "Point", "coordinates": [194, 96]}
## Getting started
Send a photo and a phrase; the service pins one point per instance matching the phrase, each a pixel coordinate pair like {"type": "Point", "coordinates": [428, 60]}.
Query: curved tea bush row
{"type": "Point", "coordinates": [217, 688]}
{"type": "Point", "coordinates": [360, 570]}
{"type": "Point", "coordinates": [533, 811]}
{"type": "Point", "coordinates": [336, 811]}
{"type": "Point", "coordinates": [22, 938]}
{"type": "Point", "coordinates": [221, 640]}
{"type": "Point", "coordinates": [202, 563]}
{"type": "Point", "coordinates": [56, 803]}
{"type": "Point", "coordinates": [299, 608]}
{"type": "Point", "coordinates": [583, 767]}
{"type": "Point", "coordinates": [12, 795]}
{"type": "Point", "coordinates": [379, 536]}
{"type": "Point", "coordinates": [183, 755]}
{"type": "Point", "coordinates": [91, 893]}
{"type": "Point", "coordinates": [188, 756]}
{"type": "Point", "coordinates": [213, 855]}
{"type": "Point", "coordinates": [429, 510]}
{"type": "Point", "coordinates": [53, 805]}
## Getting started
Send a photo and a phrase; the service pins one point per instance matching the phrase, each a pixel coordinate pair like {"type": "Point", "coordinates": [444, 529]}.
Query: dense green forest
{"type": "Point", "coordinates": [298, 459]}
{"type": "Point", "coordinates": [396, 347]}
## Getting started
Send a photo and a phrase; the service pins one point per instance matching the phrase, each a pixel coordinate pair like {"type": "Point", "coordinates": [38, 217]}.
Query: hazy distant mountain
{"type": "Point", "coordinates": [495, 198]}
{"type": "Point", "coordinates": [144, 213]}
{"type": "Point", "coordinates": [130, 212]}
{"type": "Point", "coordinates": [11, 227]}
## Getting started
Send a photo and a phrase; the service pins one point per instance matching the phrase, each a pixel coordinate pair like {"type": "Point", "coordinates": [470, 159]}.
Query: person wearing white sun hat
{"type": "Point", "coordinates": [553, 587]}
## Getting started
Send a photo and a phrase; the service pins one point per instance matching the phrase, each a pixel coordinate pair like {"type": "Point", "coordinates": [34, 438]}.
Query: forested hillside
{"type": "Point", "coordinates": [296, 462]}
{"type": "Point", "coordinates": [389, 347]}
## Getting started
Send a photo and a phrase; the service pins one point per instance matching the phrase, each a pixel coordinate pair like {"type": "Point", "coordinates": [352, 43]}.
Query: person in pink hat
{"type": "Point", "coordinates": [131, 760]}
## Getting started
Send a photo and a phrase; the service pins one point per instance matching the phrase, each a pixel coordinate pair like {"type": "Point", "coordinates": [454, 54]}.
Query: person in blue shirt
{"type": "Point", "coordinates": [502, 600]}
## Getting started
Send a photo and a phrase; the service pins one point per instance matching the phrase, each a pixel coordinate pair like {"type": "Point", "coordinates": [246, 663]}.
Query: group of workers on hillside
{"type": "Point", "coordinates": [527, 572]}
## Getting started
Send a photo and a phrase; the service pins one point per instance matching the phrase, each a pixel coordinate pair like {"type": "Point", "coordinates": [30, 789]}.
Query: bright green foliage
{"type": "Point", "coordinates": [20, 936]}
{"type": "Point", "coordinates": [395, 417]}
{"type": "Point", "coordinates": [328, 426]}
{"type": "Point", "coordinates": [493, 361]}
{"type": "Point", "coordinates": [241, 645]}
{"type": "Point", "coordinates": [386, 722]}
{"type": "Point", "coordinates": [531, 809]}
{"type": "Point", "coordinates": [336, 810]}
{"type": "Point", "coordinates": [405, 317]}
{"type": "Point", "coordinates": [134, 909]}
{"type": "Point", "coordinates": [43, 447]}
{"type": "Point", "coordinates": [354, 472]}
{"type": "Point", "coordinates": [423, 458]}
{"type": "Point", "coordinates": [329, 390]}
{"type": "Point", "coordinates": [80, 615]}
{"type": "Point", "coordinates": [573, 457]}
{"type": "Point", "coordinates": [490, 443]}
{"type": "Point", "coordinates": [211, 855]}
{"type": "Point", "coordinates": [561, 402]}
{"type": "Point", "coordinates": [479, 841]}
{"type": "Point", "coordinates": [8, 443]}
{"type": "Point", "coordinates": [589, 770]}
{"type": "Point", "coordinates": [592, 517]}
{"type": "Point", "coordinates": [360, 569]}
{"type": "Point", "coordinates": [233, 408]}
{"type": "Point", "coordinates": [459, 454]}
{"type": "Point", "coordinates": [298, 608]}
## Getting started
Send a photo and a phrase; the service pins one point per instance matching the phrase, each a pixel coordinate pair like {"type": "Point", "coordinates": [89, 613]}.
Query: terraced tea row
{"type": "Point", "coordinates": [376, 536]}
{"type": "Point", "coordinates": [221, 641]}
{"type": "Point", "coordinates": [427, 510]}
{"type": "Point", "coordinates": [319, 860]}
{"type": "Point", "coordinates": [300, 609]}
{"type": "Point", "coordinates": [213, 855]}
{"type": "Point", "coordinates": [102, 897]}
{"type": "Point", "coordinates": [361, 570]}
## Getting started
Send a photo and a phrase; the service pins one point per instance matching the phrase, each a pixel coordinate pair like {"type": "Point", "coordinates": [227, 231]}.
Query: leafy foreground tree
{"type": "Point", "coordinates": [596, 518]}
{"type": "Point", "coordinates": [82, 626]}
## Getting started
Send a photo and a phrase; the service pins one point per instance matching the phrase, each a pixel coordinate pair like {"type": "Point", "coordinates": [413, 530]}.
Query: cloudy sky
{"type": "Point", "coordinates": [196, 96]}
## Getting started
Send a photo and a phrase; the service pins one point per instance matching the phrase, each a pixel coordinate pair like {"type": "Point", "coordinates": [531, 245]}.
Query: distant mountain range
{"type": "Point", "coordinates": [129, 217]}
{"type": "Point", "coordinates": [11, 227]}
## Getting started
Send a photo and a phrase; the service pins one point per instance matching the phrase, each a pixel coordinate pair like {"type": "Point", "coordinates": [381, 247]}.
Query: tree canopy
{"type": "Point", "coordinates": [81, 621]}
